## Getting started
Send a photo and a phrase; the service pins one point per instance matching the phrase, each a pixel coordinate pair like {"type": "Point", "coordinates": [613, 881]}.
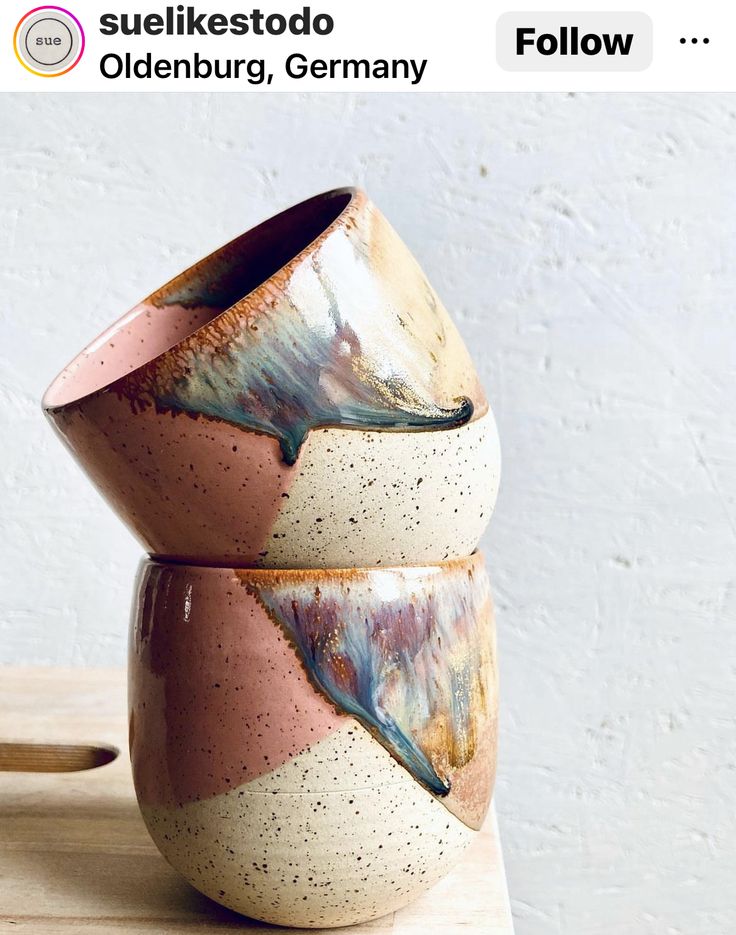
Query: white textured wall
{"type": "Point", "coordinates": [586, 245]}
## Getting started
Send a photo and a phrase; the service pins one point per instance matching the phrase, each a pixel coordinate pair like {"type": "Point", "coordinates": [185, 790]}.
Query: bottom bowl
{"type": "Point", "coordinates": [313, 748]}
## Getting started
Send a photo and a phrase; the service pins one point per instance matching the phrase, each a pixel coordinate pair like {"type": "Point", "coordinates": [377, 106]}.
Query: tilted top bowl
{"type": "Point", "coordinates": [299, 398]}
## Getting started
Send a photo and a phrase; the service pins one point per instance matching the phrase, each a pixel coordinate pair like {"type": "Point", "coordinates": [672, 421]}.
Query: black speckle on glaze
{"type": "Point", "coordinates": [315, 859]}
{"type": "Point", "coordinates": [375, 510]}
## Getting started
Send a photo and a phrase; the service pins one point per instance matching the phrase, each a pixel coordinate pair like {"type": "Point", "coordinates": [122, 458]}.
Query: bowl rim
{"type": "Point", "coordinates": [357, 200]}
{"type": "Point", "coordinates": [475, 559]}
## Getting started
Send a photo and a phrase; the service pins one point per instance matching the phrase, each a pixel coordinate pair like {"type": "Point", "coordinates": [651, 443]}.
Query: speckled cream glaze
{"type": "Point", "coordinates": [393, 499]}
{"type": "Point", "coordinates": [336, 836]}
{"type": "Point", "coordinates": [261, 369]}
{"type": "Point", "coordinates": [251, 775]}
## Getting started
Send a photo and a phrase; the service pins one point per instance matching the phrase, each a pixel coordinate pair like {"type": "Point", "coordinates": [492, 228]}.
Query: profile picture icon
{"type": "Point", "coordinates": [48, 41]}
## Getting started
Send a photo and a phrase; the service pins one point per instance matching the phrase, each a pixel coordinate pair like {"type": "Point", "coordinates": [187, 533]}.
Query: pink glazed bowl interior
{"type": "Point", "coordinates": [300, 397]}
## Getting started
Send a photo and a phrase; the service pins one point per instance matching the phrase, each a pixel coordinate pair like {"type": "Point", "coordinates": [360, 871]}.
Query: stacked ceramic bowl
{"type": "Point", "coordinates": [296, 433]}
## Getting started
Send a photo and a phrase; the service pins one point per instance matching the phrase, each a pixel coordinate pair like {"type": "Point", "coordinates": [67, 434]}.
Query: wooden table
{"type": "Point", "coordinates": [75, 855]}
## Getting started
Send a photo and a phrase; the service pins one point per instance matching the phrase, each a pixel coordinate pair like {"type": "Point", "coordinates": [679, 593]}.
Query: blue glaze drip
{"type": "Point", "coordinates": [286, 380]}
{"type": "Point", "coordinates": [412, 669]}
{"type": "Point", "coordinates": [303, 362]}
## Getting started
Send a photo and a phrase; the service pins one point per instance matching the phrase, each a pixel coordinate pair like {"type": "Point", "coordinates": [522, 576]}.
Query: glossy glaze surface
{"type": "Point", "coordinates": [408, 654]}
{"type": "Point", "coordinates": [350, 336]}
